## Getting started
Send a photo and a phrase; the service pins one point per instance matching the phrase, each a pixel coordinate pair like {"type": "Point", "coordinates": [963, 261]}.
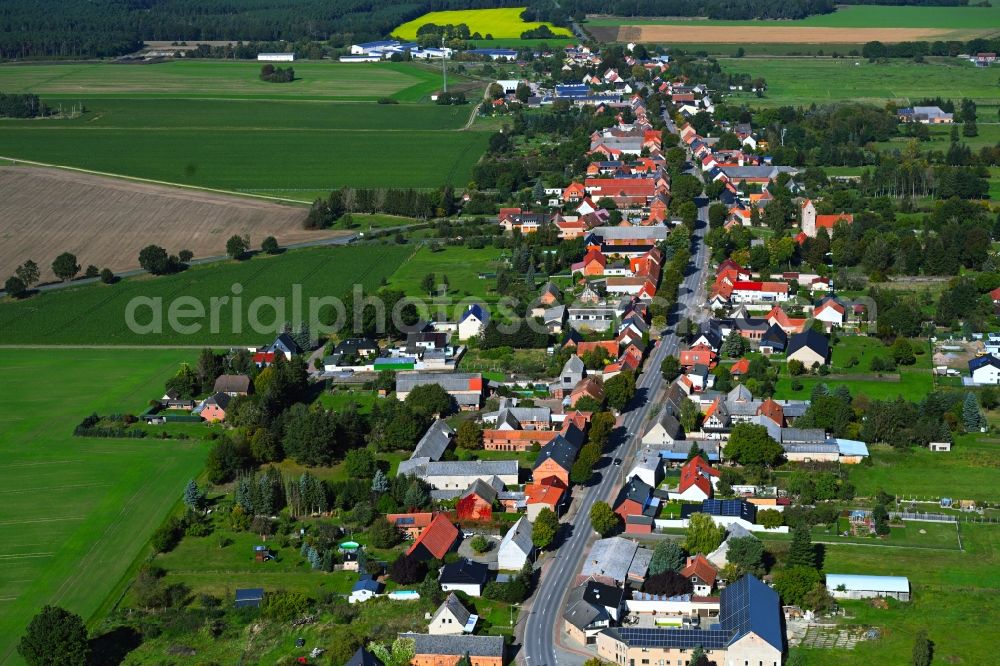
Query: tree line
{"type": "Point", "coordinates": [713, 9]}
{"type": "Point", "coordinates": [876, 50]}
{"type": "Point", "coordinates": [22, 105]}
{"type": "Point", "coordinates": [108, 28]}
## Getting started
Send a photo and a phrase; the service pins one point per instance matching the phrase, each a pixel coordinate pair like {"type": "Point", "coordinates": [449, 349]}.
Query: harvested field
{"type": "Point", "coordinates": [105, 222]}
{"type": "Point", "coordinates": [704, 34]}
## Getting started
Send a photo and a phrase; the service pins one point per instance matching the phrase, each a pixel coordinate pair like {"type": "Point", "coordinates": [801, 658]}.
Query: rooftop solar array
{"type": "Point", "coordinates": [678, 638]}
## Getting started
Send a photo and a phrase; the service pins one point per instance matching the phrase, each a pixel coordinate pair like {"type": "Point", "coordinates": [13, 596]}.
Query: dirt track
{"type": "Point", "coordinates": [106, 221]}
{"type": "Point", "coordinates": [717, 34]}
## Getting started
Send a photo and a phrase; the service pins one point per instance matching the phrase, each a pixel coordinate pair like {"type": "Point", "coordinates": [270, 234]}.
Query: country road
{"type": "Point", "coordinates": [544, 619]}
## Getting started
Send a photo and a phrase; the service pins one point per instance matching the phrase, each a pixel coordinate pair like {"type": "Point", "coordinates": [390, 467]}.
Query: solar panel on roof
{"type": "Point", "coordinates": [681, 638]}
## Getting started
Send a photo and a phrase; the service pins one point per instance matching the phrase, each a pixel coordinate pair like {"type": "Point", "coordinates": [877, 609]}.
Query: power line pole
{"type": "Point", "coordinates": [444, 65]}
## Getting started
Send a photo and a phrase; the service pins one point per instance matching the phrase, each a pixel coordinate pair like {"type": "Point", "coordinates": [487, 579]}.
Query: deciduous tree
{"type": "Point", "coordinates": [667, 556]}
{"type": "Point", "coordinates": [703, 535]}
{"type": "Point", "coordinates": [603, 519]}
{"type": "Point", "coordinates": [55, 636]}
{"type": "Point", "coordinates": [65, 266]}
{"type": "Point", "coordinates": [543, 531]}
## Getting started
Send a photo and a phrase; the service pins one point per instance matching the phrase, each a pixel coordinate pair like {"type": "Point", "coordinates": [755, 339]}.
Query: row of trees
{"type": "Point", "coordinates": [64, 266]}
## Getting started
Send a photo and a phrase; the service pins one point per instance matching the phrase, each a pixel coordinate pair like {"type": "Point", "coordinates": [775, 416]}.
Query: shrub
{"type": "Point", "coordinates": [167, 535]}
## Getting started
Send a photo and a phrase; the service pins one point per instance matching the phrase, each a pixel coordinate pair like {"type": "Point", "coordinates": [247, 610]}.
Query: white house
{"type": "Point", "coordinates": [509, 86]}
{"type": "Point", "coordinates": [452, 618]}
{"type": "Point", "coordinates": [985, 370]}
{"type": "Point", "coordinates": [665, 430]}
{"type": "Point", "coordinates": [275, 57]}
{"type": "Point", "coordinates": [473, 322]}
{"type": "Point", "coordinates": [364, 589]}
{"type": "Point", "coordinates": [830, 311]}
{"type": "Point", "coordinates": [516, 547]}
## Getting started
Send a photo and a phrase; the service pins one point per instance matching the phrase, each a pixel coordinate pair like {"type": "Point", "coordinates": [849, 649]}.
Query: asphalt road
{"type": "Point", "coordinates": [545, 616]}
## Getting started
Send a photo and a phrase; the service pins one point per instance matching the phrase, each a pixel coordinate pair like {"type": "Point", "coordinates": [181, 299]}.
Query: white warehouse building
{"type": "Point", "coordinates": [275, 57]}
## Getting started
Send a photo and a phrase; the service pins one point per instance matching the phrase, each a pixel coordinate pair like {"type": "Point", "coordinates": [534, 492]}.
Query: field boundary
{"type": "Point", "coordinates": [14, 161]}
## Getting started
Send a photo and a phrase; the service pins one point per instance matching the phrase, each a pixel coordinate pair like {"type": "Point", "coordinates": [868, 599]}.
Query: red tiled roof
{"type": "Point", "coordinates": [775, 287]}
{"type": "Point", "coordinates": [741, 367]}
{"type": "Point", "coordinates": [420, 520]}
{"type": "Point", "coordinates": [611, 346]}
{"type": "Point", "coordinates": [829, 221]}
{"type": "Point", "coordinates": [543, 493]}
{"type": "Point", "coordinates": [438, 538]}
{"type": "Point", "coordinates": [700, 566]}
{"type": "Point", "coordinates": [696, 472]}
{"type": "Point", "coordinates": [772, 410]}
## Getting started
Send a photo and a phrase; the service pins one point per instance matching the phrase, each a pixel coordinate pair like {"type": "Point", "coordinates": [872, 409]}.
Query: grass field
{"type": "Point", "coordinates": [500, 23]}
{"type": "Point", "coordinates": [969, 471]}
{"type": "Point", "coordinates": [953, 597]}
{"type": "Point", "coordinates": [804, 81]}
{"type": "Point", "coordinates": [848, 25]}
{"type": "Point", "coordinates": [221, 79]}
{"type": "Point", "coordinates": [77, 512]}
{"type": "Point", "coordinates": [96, 314]}
{"type": "Point", "coordinates": [462, 266]}
{"type": "Point", "coordinates": [216, 125]}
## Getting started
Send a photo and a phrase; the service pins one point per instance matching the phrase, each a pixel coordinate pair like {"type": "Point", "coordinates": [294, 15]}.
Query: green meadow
{"type": "Point", "coordinates": [804, 81]}
{"type": "Point", "coordinates": [96, 314]}
{"type": "Point", "coordinates": [849, 16]}
{"type": "Point", "coordinates": [221, 79]}
{"type": "Point", "coordinates": [77, 512]}
{"type": "Point", "coordinates": [216, 125]}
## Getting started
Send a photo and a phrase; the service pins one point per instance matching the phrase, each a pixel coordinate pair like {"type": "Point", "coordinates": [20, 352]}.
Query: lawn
{"type": "Point", "coordinates": [953, 598]}
{"type": "Point", "coordinates": [97, 314]}
{"type": "Point", "coordinates": [221, 79]}
{"type": "Point", "coordinates": [913, 381]}
{"type": "Point", "coordinates": [989, 135]}
{"type": "Point", "coordinates": [77, 512]}
{"type": "Point", "coordinates": [804, 81]}
{"type": "Point", "coordinates": [462, 267]}
{"type": "Point", "coordinates": [500, 23]}
{"type": "Point", "coordinates": [968, 471]}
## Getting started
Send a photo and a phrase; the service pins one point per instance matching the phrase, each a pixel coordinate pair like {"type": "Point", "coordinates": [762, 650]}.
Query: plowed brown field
{"type": "Point", "coordinates": [106, 221]}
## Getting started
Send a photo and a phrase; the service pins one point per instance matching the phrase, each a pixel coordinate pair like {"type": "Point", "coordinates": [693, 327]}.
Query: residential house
{"type": "Point", "coordinates": [636, 498]}
{"type": "Point", "coordinates": [926, 115]}
{"type": "Point", "coordinates": [466, 387]}
{"type": "Point", "coordinates": [464, 576]}
{"type": "Point", "coordinates": [550, 295]}
{"type": "Point", "coordinates": [809, 347]}
{"type": "Point", "coordinates": [588, 387]}
{"type": "Point", "coordinates": [720, 556]}
{"type": "Point", "coordinates": [749, 631]}
{"type": "Point", "coordinates": [363, 657]}
{"type": "Point", "coordinates": [701, 573]}
{"type": "Point", "coordinates": [985, 370]}
{"type": "Point", "coordinates": [615, 561]}
{"type": "Point", "coordinates": [724, 511]}
{"type": "Point", "coordinates": [233, 385]}
{"type": "Point", "coordinates": [410, 524]}
{"type": "Point", "coordinates": [452, 618]}
{"type": "Point", "coordinates": [555, 460]}
{"type": "Point", "coordinates": [435, 541]}
{"type": "Point", "coordinates": [366, 588]}
{"type": "Point", "coordinates": [549, 493]}
{"type": "Point", "coordinates": [700, 355]}
{"type": "Point", "coordinates": [516, 547]}
{"type": "Point", "coordinates": [572, 374]}
{"type": "Point", "coordinates": [591, 607]}
{"type": "Point", "coordinates": [648, 467]}
{"type": "Point", "coordinates": [698, 481]}
{"type": "Point", "coordinates": [430, 650]}
{"type": "Point", "coordinates": [435, 441]}
{"type": "Point", "coordinates": [473, 322]}
{"type": "Point", "coordinates": [774, 341]}
{"type": "Point", "coordinates": [285, 345]}
{"type": "Point", "coordinates": [758, 292]}
{"type": "Point", "coordinates": [476, 503]}
{"type": "Point", "coordinates": [213, 409]}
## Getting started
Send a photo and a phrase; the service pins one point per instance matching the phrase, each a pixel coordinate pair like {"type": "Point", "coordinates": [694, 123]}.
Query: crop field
{"type": "Point", "coordinates": [847, 25]}
{"type": "Point", "coordinates": [953, 597]}
{"type": "Point", "coordinates": [804, 81]}
{"type": "Point", "coordinates": [106, 221]}
{"type": "Point", "coordinates": [220, 79]}
{"type": "Point", "coordinates": [77, 512]}
{"type": "Point", "coordinates": [500, 23]}
{"type": "Point", "coordinates": [96, 314]}
{"type": "Point", "coordinates": [216, 125]}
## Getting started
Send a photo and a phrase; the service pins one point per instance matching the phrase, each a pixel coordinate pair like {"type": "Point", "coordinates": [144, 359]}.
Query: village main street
{"type": "Point", "coordinates": [543, 620]}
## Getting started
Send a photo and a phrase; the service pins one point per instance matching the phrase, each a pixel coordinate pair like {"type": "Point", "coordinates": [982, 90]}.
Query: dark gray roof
{"type": "Point", "coordinates": [482, 489]}
{"type": "Point", "coordinates": [748, 605]}
{"type": "Point", "coordinates": [638, 491]}
{"type": "Point", "coordinates": [519, 535]}
{"type": "Point", "coordinates": [364, 658]}
{"type": "Point", "coordinates": [434, 442]}
{"type": "Point", "coordinates": [811, 339]}
{"type": "Point", "coordinates": [474, 646]}
{"type": "Point", "coordinates": [560, 450]}
{"type": "Point", "coordinates": [220, 399]}
{"type": "Point", "coordinates": [580, 612]}
{"type": "Point", "coordinates": [457, 381]}
{"type": "Point", "coordinates": [455, 607]}
{"type": "Point", "coordinates": [472, 468]}
{"type": "Point", "coordinates": [776, 336]}
{"type": "Point", "coordinates": [464, 572]}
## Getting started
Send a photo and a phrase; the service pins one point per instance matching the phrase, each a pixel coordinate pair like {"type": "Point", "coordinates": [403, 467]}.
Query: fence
{"type": "Point", "coordinates": [924, 517]}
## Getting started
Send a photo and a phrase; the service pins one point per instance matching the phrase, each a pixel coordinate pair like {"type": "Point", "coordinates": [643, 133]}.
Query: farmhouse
{"type": "Point", "coordinates": [465, 387]}
{"type": "Point", "coordinates": [856, 586]}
